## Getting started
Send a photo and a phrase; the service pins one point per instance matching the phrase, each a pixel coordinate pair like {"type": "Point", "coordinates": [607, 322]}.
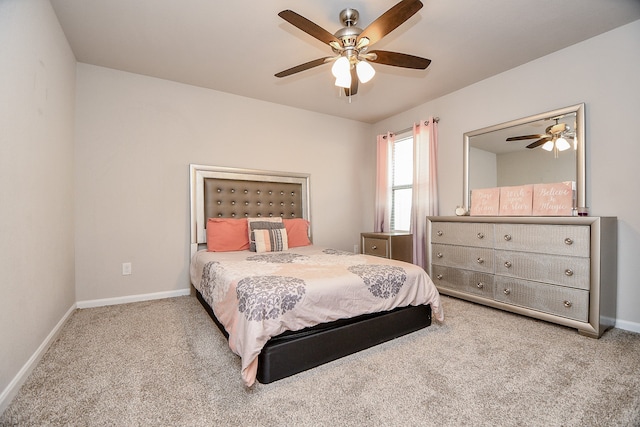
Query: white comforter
{"type": "Point", "coordinates": [257, 296]}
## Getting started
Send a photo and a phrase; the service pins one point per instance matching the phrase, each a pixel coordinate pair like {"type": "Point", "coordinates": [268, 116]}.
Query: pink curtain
{"type": "Point", "coordinates": [425, 184]}
{"type": "Point", "coordinates": [382, 217]}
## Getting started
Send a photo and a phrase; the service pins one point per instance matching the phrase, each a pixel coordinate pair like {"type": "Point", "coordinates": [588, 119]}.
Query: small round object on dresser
{"type": "Point", "coordinates": [460, 211]}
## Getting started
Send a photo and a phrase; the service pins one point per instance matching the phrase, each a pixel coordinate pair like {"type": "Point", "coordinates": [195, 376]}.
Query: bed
{"type": "Point", "coordinates": [284, 304]}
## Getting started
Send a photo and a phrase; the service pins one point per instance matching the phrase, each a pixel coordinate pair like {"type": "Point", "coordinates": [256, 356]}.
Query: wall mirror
{"type": "Point", "coordinates": [544, 148]}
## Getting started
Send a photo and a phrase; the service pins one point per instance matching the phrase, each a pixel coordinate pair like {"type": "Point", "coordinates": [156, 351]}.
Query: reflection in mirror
{"type": "Point", "coordinates": [545, 148]}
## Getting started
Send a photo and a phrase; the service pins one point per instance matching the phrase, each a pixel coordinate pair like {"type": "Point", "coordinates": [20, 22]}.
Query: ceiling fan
{"type": "Point", "coordinates": [351, 45]}
{"type": "Point", "coordinates": [551, 138]}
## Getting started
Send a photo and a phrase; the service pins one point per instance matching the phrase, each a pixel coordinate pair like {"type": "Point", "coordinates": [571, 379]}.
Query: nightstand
{"type": "Point", "coordinates": [396, 245]}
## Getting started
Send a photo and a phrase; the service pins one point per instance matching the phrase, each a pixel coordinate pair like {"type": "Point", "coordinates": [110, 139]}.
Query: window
{"type": "Point", "coordinates": [401, 183]}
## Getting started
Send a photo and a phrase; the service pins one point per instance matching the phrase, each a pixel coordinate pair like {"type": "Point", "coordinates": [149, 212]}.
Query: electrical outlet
{"type": "Point", "coordinates": [356, 250]}
{"type": "Point", "coordinates": [126, 268]}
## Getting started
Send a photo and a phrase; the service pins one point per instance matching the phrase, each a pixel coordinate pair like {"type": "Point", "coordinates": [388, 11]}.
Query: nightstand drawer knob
{"type": "Point", "coordinates": [439, 277]}
{"type": "Point", "coordinates": [567, 303]}
{"type": "Point", "coordinates": [374, 247]}
{"type": "Point", "coordinates": [568, 241]}
{"type": "Point", "coordinates": [480, 235]}
{"type": "Point", "coordinates": [507, 291]}
{"type": "Point", "coordinates": [439, 255]}
{"type": "Point", "coordinates": [507, 237]}
{"type": "Point", "coordinates": [568, 272]}
{"type": "Point", "coordinates": [439, 233]}
{"type": "Point", "coordinates": [480, 285]}
{"type": "Point", "coordinates": [507, 264]}
{"type": "Point", "coordinates": [480, 261]}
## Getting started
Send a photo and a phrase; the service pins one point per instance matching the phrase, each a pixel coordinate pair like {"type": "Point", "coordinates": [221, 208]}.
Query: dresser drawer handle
{"type": "Point", "coordinates": [374, 247]}
{"type": "Point", "coordinates": [568, 241]}
{"type": "Point", "coordinates": [439, 233]}
{"type": "Point", "coordinates": [507, 264]}
{"type": "Point", "coordinates": [480, 285]}
{"type": "Point", "coordinates": [480, 235]}
{"type": "Point", "coordinates": [507, 291]}
{"type": "Point", "coordinates": [568, 272]}
{"type": "Point", "coordinates": [439, 277]}
{"type": "Point", "coordinates": [507, 237]}
{"type": "Point", "coordinates": [439, 255]}
{"type": "Point", "coordinates": [480, 261]}
{"type": "Point", "coordinates": [567, 303]}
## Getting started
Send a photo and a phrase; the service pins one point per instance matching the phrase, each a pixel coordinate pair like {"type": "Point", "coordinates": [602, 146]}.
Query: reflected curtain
{"type": "Point", "coordinates": [382, 217]}
{"type": "Point", "coordinates": [425, 184]}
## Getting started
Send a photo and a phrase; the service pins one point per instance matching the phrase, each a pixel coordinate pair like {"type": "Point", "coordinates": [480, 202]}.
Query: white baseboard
{"type": "Point", "coordinates": [12, 389]}
{"type": "Point", "coordinates": [627, 326]}
{"type": "Point", "coordinates": [132, 298]}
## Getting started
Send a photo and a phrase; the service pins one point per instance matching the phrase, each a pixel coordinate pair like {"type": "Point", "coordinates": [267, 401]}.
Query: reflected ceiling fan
{"type": "Point", "coordinates": [553, 138]}
{"type": "Point", "coordinates": [351, 45]}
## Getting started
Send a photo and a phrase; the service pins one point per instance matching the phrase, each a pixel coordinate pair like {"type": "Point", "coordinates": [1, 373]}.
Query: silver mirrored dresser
{"type": "Point", "coordinates": [558, 269]}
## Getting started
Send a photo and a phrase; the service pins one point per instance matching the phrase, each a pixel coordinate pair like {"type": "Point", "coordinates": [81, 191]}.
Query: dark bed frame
{"type": "Point", "coordinates": [230, 192]}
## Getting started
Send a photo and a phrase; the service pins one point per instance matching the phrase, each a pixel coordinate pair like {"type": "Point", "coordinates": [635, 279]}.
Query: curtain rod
{"type": "Point", "coordinates": [398, 132]}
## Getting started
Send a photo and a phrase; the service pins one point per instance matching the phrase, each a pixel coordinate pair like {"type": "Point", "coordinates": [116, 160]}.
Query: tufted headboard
{"type": "Point", "coordinates": [235, 193]}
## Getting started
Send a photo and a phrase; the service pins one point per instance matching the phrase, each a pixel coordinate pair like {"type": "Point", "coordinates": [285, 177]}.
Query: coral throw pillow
{"type": "Point", "coordinates": [227, 234]}
{"type": "Point", "coordinates": [297, 232]}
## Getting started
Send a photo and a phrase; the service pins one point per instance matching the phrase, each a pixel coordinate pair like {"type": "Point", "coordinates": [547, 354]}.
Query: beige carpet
{"type": "Point", "coordinates": [164, 363]}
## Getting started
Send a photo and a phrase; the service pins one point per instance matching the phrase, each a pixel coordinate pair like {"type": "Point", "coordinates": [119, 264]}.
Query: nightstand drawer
{"type": "Point", "coordinates": [374, 246]}
{"type": "Point", "coordinates": [393, 245]}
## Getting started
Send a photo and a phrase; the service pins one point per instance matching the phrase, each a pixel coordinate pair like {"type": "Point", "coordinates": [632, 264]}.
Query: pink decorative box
{"type": "Point", "coordinates": [516, 201]}
{"type": "Point", "coordinates": [553, 199]}
{"type": "Point", "coordinates": [485, 201]}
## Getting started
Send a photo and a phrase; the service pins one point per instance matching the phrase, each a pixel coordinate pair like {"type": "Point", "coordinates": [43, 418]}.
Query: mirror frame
{"type": "Point", "coordinates": [579, 141]}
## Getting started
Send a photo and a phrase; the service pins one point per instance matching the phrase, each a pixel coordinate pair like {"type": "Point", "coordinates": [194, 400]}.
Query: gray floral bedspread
{"type": "Point", "coordinates": [258, 296]}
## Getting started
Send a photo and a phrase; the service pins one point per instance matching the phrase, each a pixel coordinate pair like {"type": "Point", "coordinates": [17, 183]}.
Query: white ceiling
{"type": "Point", "coordinates": [238, 46]}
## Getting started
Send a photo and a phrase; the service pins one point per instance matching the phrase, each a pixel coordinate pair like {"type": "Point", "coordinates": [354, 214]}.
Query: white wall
{"type": "Point", "coordinates": [604, 73]}
{"type": "Point", "coordinates": [135, 138]}
{"type": "Point", "coordinates": [37, 78]}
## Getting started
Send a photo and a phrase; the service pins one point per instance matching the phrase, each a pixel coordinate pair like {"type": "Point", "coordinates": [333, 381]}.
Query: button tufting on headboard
{"type": "Point", "coordinates": [215, 191]}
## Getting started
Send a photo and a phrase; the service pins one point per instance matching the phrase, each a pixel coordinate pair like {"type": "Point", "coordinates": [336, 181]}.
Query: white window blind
{"type": "Point", "coordinates": [402, 182]}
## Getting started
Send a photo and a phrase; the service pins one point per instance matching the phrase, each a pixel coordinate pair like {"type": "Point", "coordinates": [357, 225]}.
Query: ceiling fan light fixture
{"type": "Point", "coordinates": [344, 81]}
{"type": "Point", "coordinates": [562, 144]}
{"type": "Point", "coordinates": [341, 68]}
{"type": "Point", "coordinates": [365, 71]}
{"type": "Point", "coordinates": [548, 146]}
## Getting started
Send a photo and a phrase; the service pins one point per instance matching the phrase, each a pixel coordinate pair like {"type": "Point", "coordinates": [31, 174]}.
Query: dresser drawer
{"type": "Point", "coordinates": [468, 258]}
{"type": "Point", "coordinates": [573, 240]}
{"type": "Point", "coordinates": [557, 300]}
{"type": "Point", "coordinates": [567, 271]}
{"type": "Point", "coordinates": [464, 234]}
{"type": "Point", "coordinates": [375, 246]}
{"type": "Point", "coordinates": [471, 282]}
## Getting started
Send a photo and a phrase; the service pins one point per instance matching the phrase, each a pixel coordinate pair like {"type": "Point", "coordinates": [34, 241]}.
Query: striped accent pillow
{"type": "Point", "coordinates": [256, 226]}
{"type": "Point", "coordinates": [271, 239]}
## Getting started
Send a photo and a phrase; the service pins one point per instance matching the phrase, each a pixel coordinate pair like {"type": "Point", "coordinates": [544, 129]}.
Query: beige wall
{"type": "Point", "coordinates": [37, 72]}
{"type": "Point", "coordinates": [601, 72]}
{"type": "Point", "coordinates": [125, 196]}
{"type": "Point", "coordinates": [135, 138]}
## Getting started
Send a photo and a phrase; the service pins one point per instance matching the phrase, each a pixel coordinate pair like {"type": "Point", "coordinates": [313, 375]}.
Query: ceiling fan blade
{"type": "Point", "coordinates": [350, 91]}
{"type": "Point", "coordinates": [399, 59]}
{"type": "Point", "coordinates": [390, 20]}
{"type": "Point", "coordinates": [523, 137]}
{"type": "Point", "coordinates": [303, 67]}
{"type": "Point", "coordinates": [539, 142]}
{"type": "Point", "coordinates": [308, 27]}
